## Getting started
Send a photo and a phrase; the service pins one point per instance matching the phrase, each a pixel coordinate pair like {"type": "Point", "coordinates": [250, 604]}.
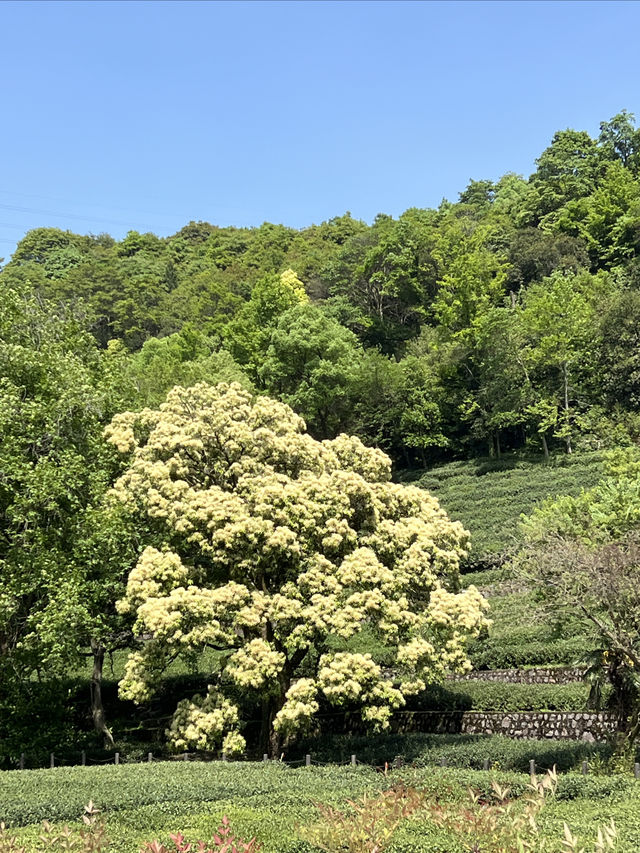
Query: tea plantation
{"type": "Point", "coordinates": [489, 495]}
{"type": "Point", "coordinates": [275, 803]}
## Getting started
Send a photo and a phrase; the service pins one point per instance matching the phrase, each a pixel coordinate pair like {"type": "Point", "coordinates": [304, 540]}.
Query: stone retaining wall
{"type": "Point", "coordinates": [537, 725]}
{"type": "Point", "coordinates": [539, 675]}
{"type": "Point", "coordinates": [568, 725]}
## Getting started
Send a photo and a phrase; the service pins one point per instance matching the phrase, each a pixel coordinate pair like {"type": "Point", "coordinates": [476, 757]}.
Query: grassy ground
{"type": "Point", "coordinates": [273, 802]}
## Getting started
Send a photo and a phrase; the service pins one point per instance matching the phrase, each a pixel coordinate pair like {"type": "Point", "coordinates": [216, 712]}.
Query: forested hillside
{"type": "Point", "coordinates": [494, 341]}
{"type": "Point", "coordinates": [505, 320]}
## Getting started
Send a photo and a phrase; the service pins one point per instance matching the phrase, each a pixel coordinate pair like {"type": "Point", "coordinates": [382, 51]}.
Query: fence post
{"type": "Point", "coordinates": [353, 761]}
{"type": "Point", "coordinates": [117, 758]}
{"type": "Point", "coordinates": [185, 756]}
{"type": "Point", "coordinates": [585, 768]}
{"type": "Point", "coordinates": [52, 761]}
{"type": "Point", "coordinates": [532, 768]}
{"type": "Point", "coordinates": [22, 761]}
{"type": "Point", "coordinates": [149, 757]}
{"type": "Point", "coordinates": [307, 761]}
{"type": "Point", "coordinates": [83, 758]}
{"type": "Point", "coordinates": [485, 764]}
{"type": "Point", "coordinates": [265, 757]}
{"type": "Point", "coordinates": [636, 770]}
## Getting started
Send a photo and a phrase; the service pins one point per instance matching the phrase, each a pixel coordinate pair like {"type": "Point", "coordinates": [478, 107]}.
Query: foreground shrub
{"type": "Point", "coordinates": [507, 826]}
{"type": "Point", "coordinates": [493, 821]}
{"type": "Point", "coordinates": [224, 841]}
{"type": "Point", "coordinates": [91, 838]}
{"type": "Point", "coordinates": [368, 826]}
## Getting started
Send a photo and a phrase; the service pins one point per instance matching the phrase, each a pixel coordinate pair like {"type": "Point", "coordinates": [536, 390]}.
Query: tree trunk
{"type": "Point", "coordinates": [498, 448]}
{"type": "Point", "coordinates": [565, 376]}
{"type": "Point", "coordinates": [97, 708]}
{"type": "Point", "coordinates": [545, 446]}
{"type": "Point", "coordinates": [270, 740]}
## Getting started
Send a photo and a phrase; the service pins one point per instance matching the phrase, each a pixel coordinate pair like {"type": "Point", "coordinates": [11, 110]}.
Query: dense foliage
{"type": "Point", "coordinates": [505, 320]}
{"type": "Point", "coordinates": [493, 340]}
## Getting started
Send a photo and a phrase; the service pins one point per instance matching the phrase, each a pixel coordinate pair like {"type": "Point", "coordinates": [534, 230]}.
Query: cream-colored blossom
{"type": "Point", "coordinates": [200, 723]}
{"type": "Point", "coordinates": [156, 574]}
{"type": "Point", "coordinates": [275, 544]}
{"type": "Point", "coordinates": [299, 708]}
{"type": "Point", "coordinates": [257, 664]}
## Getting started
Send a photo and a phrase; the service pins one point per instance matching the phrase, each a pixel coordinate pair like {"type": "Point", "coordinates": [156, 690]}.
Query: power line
{"type": "Point", "coordinates": [75, 216]}
{"type": "Point", "coordinates": [17, 227]}
{"type": "Point", "coordinates": [128, 210]}
{"type": "Point", "coordinates": [85, 203]}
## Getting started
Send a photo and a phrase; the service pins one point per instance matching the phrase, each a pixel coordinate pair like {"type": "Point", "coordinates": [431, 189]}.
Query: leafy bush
{"type": "Point", "coordinates": [367, 826]}
{"type": "Point", "coordinates": [271, 802]}
{"type": "Point", "coordinates": [33, 796]}
{"type": "Point", "coordinates": [500, 820]}
{"type": "Point", "coordinates": [224, 841]}
{"type": "Point", "coordinates": [460, 751]}
{"type": "Point", "coordinates": [496, 696]}
{"type": "Point", "coordinates": [495, 654]}
{"type": "Point", "coordinates": [506, 825]}
{"type": "Point", "coordinates": [90, 838]}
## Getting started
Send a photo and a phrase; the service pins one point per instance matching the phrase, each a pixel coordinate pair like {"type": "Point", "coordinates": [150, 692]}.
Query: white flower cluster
{"type": "Point", "coordinates": [157, 573]}
{"type": "Point", "coordinates": [347, 678]}
{"type": "Point", "coordinates": [200, 723]}
{"type": "Point", "coordinates": [255, 665]}
{"type": "Point", "coordinates": [299, 708]}
{"type": "Point", "coordinates": [278, 542]}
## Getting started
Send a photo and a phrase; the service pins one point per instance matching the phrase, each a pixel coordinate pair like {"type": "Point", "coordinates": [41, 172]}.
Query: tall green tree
{"type": "Point", "coordinates": [559, 318]}
{"type": "Point", "coordinates": [567, 170]}
{"type": "Point", "coordinates": [248, 334]}
{"type": "Point", "coordinates": [310, 364]}
{"type": "Point", "coordinates": [56, 394]}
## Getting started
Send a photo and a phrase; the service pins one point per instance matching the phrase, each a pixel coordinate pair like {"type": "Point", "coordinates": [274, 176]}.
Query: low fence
{"type": "Point", "coordinates": [551, 726]}
{"type": "Point", "coordinates": [307, 761]}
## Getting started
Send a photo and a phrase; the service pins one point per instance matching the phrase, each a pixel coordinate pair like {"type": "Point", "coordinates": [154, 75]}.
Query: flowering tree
{"type": "Point", "coordinates": [275, 546]}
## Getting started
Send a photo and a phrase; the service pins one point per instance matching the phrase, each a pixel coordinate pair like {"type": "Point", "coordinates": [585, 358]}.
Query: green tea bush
{"type": "Point", "coordinates": [495, 653]}
{"type": "Point", "coordinates": [489, 495]}
{"type": "Point", "coordinates": [459, 751]}
{"type": "Point", "coordinates": [496, 696]}
{"type": "Point", "coordinates": [35, 795]}
{"type": "Point", "coordinates": [273, 802]}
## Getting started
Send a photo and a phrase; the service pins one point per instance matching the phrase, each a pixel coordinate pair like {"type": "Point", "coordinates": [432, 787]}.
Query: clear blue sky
{"type": "Point", "coordinates": [145, 115]}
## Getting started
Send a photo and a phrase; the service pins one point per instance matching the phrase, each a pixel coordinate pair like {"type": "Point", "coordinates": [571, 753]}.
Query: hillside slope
{"type": "Point", "coordinates": [489, 495]}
